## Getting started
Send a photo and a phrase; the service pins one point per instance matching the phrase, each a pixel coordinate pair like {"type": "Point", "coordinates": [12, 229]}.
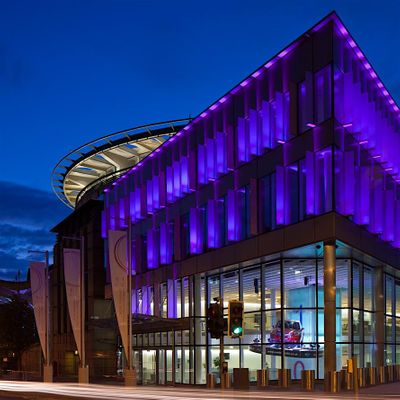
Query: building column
{"type": "Point", "coordinates": [198, 364]}
{"type": "Point", "coordinates": [329, 307]}
{"type": "Point", "coordinates": [379, 317]}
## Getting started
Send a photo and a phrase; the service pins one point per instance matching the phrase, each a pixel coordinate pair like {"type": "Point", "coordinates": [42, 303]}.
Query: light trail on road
{"type": "Point", "coordinates": [109, 392]}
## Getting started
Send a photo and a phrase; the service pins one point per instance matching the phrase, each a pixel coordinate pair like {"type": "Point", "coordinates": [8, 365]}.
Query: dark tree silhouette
{"type": "Point", "coordinates": [17, 326]}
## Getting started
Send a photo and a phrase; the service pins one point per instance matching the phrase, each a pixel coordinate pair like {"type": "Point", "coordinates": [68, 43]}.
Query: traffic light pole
{"type": "Point", "coordinates": [221, 348]}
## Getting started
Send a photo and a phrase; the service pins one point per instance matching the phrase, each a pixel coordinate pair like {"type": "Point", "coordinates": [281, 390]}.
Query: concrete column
{"type": "Point", "coordinates": [329, 307]}
{"type": "Point", "coordinates": [83, 375]}
{"type": "Point", "coordinates": [47, 373]}
{"type": "Point", "coordinates": [199, 370]}
{"type": "Point", "coordinates": [157, 299]}
{"type": "Point", "coordinates": [379, 316]}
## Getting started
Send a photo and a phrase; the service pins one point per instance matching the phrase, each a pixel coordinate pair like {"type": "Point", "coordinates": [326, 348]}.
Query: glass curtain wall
{"type": "Point", "coordinates": [284, 316]}
{"type": "Point", "coordinates": [283, 321]}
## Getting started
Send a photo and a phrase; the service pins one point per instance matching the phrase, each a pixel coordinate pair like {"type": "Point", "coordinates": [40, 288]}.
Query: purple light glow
{"type": "Point", "coordinates": [171, 299]}
{"type": "Point", "coordinates": [236, 89]}
{"type": "Point", "coordinates": [242, 145]}
{"type": "Point", "coordinates": [201, 164]}
{"type": "Point", "coordinates": [310, 184]}
{"type": "Point", "coordinates": [342, 29]}
{"type": "Point", "coordinates": [280, 195]}
{"type": "Point", "coordinates": [232, 216]}
{"type": "Point", "coordinates": [221, 152]}
{"type": "Point", "coordinates": [210, 157]}
{"type": "Point", "coordinates": [264, 124]}
{"type": "Point", "coordinates": [152, 249]}
{"type": "Point", "coordinates": [283, 53]}
{"type": "Point", "coordinates": [214, 106]}
{"type": "Point", "coordinates": [196, 229]}
{"type": "Point", "coordinates": [269, 64]}
{"type": "Point", "coordinates": [212, 217]}
{"type": "Point", "coordinates": [103, 225]}
{"type": "Point", "coordinates": [165, 244]}
{"type": "Point", "coordinates": [256, 74]}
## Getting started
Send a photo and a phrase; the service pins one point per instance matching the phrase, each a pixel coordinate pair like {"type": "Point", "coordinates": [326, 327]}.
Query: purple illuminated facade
{"type": "Point", "coordinates": [323, 130]}
{"type": "Point", "coordinates": [300, 156]}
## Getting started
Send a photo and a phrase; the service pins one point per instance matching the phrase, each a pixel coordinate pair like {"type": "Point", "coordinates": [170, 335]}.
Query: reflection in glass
{"type": "Point", "coordinates": [230, 287]}
{"type": "Point", "coordinates": [342, 283]}
{"type": "Point", "coordinates": [389, 287]}
{"type": "Point", "coordinates": [272, 286]}
{"type": "Point", "coordinates": [367, 287]}
{"type": "Point", "coordinates": [252, 328]}
{"type": "Point", "coordinates": [252, 289]}
{"type": "Point", "coordinates": [356, 284]}
{"type": "Point", "coordinates": [252, 361]}
{"type": "Point", "coordinates": [299, 283]}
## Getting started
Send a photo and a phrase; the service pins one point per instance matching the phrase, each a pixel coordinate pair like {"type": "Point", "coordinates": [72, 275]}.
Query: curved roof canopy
{"type": "Point", "coordinates": [100, 161]}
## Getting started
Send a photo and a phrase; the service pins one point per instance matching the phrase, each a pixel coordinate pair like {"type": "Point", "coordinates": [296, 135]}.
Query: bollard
{"type": "Point", "coordinates": [371, 374]}
{"type": "Point", "coordinates": [308, 379]}
{"type": "Point", "coordinates": [362, 377]}
{"type": "Point", "coordinates": [226, 381]}
{"type": "Point", "coordinates": [397, 372]}
{"type": "Point", "coordinates": [284, 378]}
{"type": "Point", "coordinates": [349, 381]}
{"type": "Point", "coordinates": [389, 373]}
{"type": "Point", "coordinates": [381, 374]}
{"type": "Point", "coordinates": [332, 381]}
{"type": "Point", "coordinates": [211, 381]}
{"type": "Point", "coordinates": [262, 378]}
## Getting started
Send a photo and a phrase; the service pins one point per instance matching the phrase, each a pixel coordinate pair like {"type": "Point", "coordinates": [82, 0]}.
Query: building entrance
{"type": "Point", "coordinates": [155, 366]}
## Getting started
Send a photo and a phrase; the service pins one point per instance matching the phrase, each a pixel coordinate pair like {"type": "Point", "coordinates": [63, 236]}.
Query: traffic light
{"type": "Point", "coordinates": [235, 318]}
{"type": "Point", "coordinates": [215, 320]}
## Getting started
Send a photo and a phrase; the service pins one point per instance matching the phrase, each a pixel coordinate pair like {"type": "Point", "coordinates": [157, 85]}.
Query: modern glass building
{"type": "Point", "coordinates": [284, 193]}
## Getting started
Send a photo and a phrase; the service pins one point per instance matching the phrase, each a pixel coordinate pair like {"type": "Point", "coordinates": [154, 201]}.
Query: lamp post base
{"type": "Point", "coordinates": [47, 373]}
{"type": "Point", "coordinates": [83, 375]}
{"type": "Point", "coordinates": [130, 377]}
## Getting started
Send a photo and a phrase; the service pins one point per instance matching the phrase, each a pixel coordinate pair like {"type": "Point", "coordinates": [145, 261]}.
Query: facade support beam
{"type": "Point", "coordinates": [379, 316]}
{"type": "Point", "coordinates": [329, 307]}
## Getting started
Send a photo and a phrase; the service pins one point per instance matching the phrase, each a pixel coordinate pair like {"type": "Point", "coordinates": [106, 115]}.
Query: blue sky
{"type": "Point", "coordinates": [71, 71]}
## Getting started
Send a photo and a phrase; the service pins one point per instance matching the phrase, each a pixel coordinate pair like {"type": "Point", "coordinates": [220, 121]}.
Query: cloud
{"type": "Point", "coordinates": [26, 217]}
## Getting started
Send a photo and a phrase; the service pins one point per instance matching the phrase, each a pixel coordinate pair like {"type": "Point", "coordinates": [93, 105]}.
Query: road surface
{"type": "Point", "coordinates": [34, 390]}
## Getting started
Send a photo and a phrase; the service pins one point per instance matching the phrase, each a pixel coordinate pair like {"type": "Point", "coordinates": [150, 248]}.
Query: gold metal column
{"type": "Point", "coordinates": [379, 316]}
{"type": "Point", "coordinates": [329, 307]}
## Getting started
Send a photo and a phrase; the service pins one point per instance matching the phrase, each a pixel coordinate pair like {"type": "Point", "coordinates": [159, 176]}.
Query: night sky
{"type": "Point", "coordinates": [72, 71]}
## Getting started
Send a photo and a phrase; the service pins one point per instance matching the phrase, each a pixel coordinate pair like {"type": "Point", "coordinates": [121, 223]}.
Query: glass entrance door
{"type": "Point", "coordinates": [149, 367]}
{"type": "Point", "coordinates": [169, 366]}
{"type": "Point", "coordinates": [161, 367]}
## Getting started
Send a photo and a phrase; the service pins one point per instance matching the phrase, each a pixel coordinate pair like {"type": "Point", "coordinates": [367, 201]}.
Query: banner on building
{"type": "Point", "coordinates": [73, 279]}
{"type": "Point", "coordinates": [117, 246]}
{"type": "Point", "coordinates": [38, 287]}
